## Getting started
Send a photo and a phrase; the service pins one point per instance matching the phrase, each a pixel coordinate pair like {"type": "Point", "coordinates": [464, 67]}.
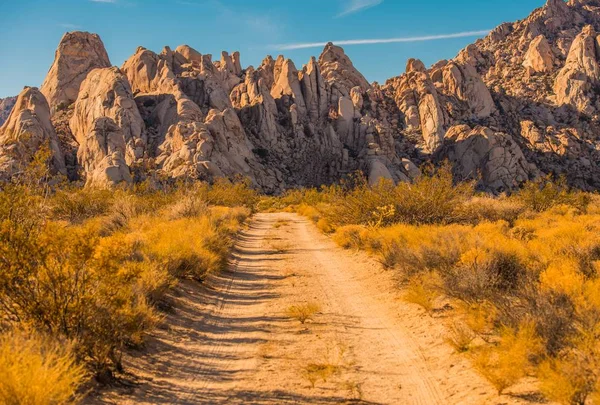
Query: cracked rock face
{"type": "Point", "coordinates": [78, 54]}
{"type": "Point", "coordinates": [106, 93]}
{"type": "Point", "coordinates": [519, 103]}
{"type": "Point", "coordinates": [494, 156]}
{"type": "Point", "coordinates": [576, 81]}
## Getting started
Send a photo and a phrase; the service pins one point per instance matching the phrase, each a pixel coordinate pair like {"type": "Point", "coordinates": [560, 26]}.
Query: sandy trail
{"type": "Point", "coordinates": [231, 342]}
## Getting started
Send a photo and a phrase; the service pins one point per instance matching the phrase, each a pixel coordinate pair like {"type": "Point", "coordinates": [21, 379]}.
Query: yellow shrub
{"type": "Point", "coordinates": [37, 371]}
{"type": "Point", "coordinates": [309, 212]}
{"type": "Point", "coordinates": [423, 290]}
{"type": "Point", "coordinates": [324, 226]}
{"type": "Point", "coordinates": [563, 276]}
{"type": "Point", "coordinates": [350, 236]}
{"type": "Point", "coordinates": [573, 377]}
{"type": "Point", "coordinates": [507, 363]}
{"type": "Point", "coordinates": [491, 209]}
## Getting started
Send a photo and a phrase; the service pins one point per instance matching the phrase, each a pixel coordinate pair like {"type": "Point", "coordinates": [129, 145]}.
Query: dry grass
{"type": "Point", "coordinates": [331, 364]}
{"type": "Point", "coordinates": [460, 337]}
{"type": "Point", "coordinates": [35, 370]}
{"type": "Point", "coordinates": [281, 223]}
{"type": "Point", "coordinates": [505, 364]}
{"type": "Point", "coordinates": [423, 291]}
{"type": "Point", "coordinates": [303, 312]}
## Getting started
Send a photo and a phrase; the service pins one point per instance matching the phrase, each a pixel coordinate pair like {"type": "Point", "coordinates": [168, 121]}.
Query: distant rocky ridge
{"type": "Point", "coordinates": [6, 106]}
{"type": "Point", "coordinates": [521, 103]}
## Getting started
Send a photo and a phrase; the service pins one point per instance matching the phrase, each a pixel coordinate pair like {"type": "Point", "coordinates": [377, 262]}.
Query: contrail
{"type": "Point", "coordinates": [284, 47]}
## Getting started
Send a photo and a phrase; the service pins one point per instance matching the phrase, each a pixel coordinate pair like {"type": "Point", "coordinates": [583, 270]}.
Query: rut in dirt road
{"type": "Point", "coordinates": [231, 341]}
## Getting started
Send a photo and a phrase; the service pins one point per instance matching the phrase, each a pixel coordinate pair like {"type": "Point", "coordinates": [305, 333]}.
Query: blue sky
{"type": "Point", "coordinates": [31, 29]}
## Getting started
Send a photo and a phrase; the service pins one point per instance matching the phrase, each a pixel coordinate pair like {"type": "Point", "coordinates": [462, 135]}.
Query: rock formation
{"type": "Point", "coordinates": [78, 54]}
{"type": "Point", "coordinates": [577, 80]}
{"type": "Point", "coordinates": [108, 126]}
{"type": "Point", "coordinates": [539, 57]}
{"type": "Point", "coordinates": [26, 131]}
{"type": "Point", "coordinates": [492, 157]}
{"type": "Point", "coordinates": [519, 103]}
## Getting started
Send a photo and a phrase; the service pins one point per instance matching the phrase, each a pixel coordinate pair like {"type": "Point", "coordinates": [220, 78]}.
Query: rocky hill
{"type": "Point", "coordinates": [521, 103]}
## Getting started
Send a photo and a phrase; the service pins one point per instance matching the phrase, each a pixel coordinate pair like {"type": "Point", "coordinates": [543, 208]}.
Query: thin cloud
{"type": "Point", "coordinates": [354, 6]}
{"type": "Point", "coordinates": [283, 47]}
{"type": "Point", "coordinates": [70, 26]}
{"type": "Point", "coordinates": [104, 1]}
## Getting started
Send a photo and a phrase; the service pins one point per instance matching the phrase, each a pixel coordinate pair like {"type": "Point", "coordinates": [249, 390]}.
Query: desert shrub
{"type": "Point", "coordinates": [544, 194]}
{"type": "Point", "coordinates": [331, 363]}
{"type": "Point", "coordinates": [479, 317]}
{"type": "Point", "coordinates": [491, 209]}
{"type": "Point", "coordinates": [192, 247]}
{"type": "Point", "coordinates": [363, 205]}
{"type": "Point", "coordinates": [123, 209]}
{"type": "Point", "coordinates": [70, 282]}
{"type": "Point", "coordinates": [510, 360]}
{"type": "Point", "coordinates": [230, 194]}
{"type": "Point", "coordinates": [309, 212]}
{"type": "Point", "coordinates": [36, 370]}
{"type": "Point", "coordinates": [314, 372]}
{"type": "Point", "coordinates": [324, 226]}
{"type": "Point", "coordinates": [461, 337]}
{"type": "Point", "coordinates": [483, 274]}
{"type": "Point", "coordinates": [188, 206]}
{"type": "Point", "coordinates": [303, 312]}
{"type": "Point", "coordinates": [574, 376]}
{"type": "Point", "coordinates": [431, 199]}
{"type": "Point", "coordinates": [76, 205]}
{"type": "Point", "coordinates": [416, 249]}
{"type": "Point", "coordinates": [87, 266]}
{"type": "Point", "coordinates": [423, 290]}
{"type": "Point", "coordinates": [350, 236]}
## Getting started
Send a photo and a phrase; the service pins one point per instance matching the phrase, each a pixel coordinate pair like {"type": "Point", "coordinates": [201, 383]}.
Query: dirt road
{"type": "Point", "coordinates": [233, 341]}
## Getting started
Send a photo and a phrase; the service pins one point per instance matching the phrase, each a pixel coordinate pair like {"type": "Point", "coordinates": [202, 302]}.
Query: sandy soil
{"type": "Point", "coordinates": [231, 341]}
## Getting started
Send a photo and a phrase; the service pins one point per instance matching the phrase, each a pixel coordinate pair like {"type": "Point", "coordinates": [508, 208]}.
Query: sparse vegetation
{"type": "Point", "coordinates": [521, 271]}
{"type": "Point", "coordinates": [82, 273]}
{"type": "Point", "coordinates": [303, 312]}
{"type": "Point", "coordinates": [461, 337]}
{"type": "Point", "coordinates": [331, 364]}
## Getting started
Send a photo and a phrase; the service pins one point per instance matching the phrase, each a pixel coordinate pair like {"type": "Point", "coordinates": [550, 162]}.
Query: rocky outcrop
{"type": "Point", "coordinates": [102, 154]}
{"type": "Point", "coordinates": [339, 72]}
{"type": "Point", "coordinates": [106, 93]}
{"type": "Point", "coordinates": [27, 130]}
{"type": "Point", "coordinates": [314, 90]}
{"type": "Point", "coordinates": [6, 106]}
{"type": "Point", "coordinates": [78, 54]}
{"type": "Point", "coordinates": [493, 156]}
{"type": "Point", "coordinates": [108, 127]}
{"type": "Point", "coordinates": [148, 73]}
{"type": "Point", "coordinates": [463, 82]}
{"type": "Point", "coordinates": [417, 99]}
{"type": "Point", "coordinates": [539, 57]}
{"type": "Point", "coordinates": [576, 81]}
{"type": "Point", "coordinates": [518, 103]}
